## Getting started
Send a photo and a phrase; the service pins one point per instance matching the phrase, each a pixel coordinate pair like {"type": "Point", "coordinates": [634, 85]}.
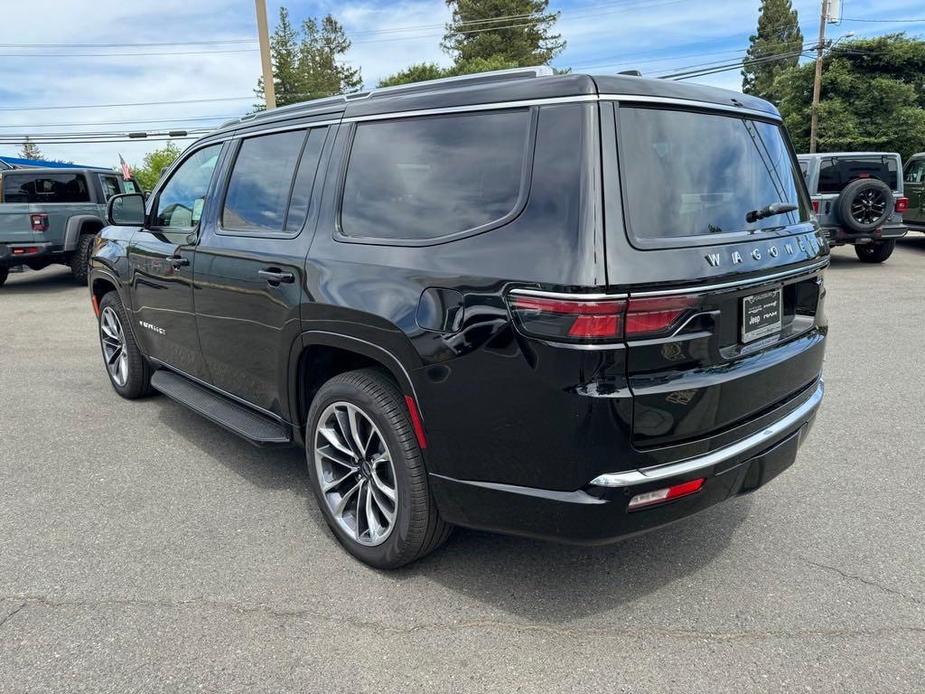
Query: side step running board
{"type": "Point", "coordinates": [239, 419]}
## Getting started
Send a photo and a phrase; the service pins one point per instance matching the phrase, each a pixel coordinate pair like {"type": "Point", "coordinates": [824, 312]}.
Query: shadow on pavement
{"type": "Point", "coordinates": [914, 241]}
{"type": "Point", "coordinates": [48, 281]}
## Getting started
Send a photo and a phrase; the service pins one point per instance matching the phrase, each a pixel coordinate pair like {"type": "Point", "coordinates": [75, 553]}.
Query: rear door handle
{"type": "Point", "coordinates": [177, 261]}
{"type": "Point", "coordinates": [275, 277]}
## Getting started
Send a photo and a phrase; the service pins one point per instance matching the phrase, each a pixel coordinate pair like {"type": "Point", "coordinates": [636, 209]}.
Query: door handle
{"type": "Point", "coordinates": [177, 261]}
{"type": "Point", "coordinates": [275, 277]}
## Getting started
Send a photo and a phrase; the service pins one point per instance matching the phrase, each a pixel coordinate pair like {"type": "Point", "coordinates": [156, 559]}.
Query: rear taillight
{"type": "Point", "coordinates": [39, 222]}
{"type": "Point", "coordinates": [594, 319]}
{"type": "Point", "coordinates": [902, 204]}
{"type": "Point", "coordinates": [815, 207]}
{"type": "Point", "coordinates": [660, 496]}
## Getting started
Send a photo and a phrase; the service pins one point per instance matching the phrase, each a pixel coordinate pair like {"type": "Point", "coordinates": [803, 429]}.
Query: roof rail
{"type": "Point", "coordinates": [475, 77]}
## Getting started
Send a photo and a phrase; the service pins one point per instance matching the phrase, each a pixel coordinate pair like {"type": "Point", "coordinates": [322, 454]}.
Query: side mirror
{"type": "Point", "coordinates": [126, 209]}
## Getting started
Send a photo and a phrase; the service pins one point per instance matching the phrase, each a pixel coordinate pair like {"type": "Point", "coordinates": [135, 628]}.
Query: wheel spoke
{"type": "Point", "coordinates": [388, 513]}
{"type": "Point", "coordinates": [331, 484]}
{"type": "Point", "coordinates": [372, 522]}
{"type": "Point", "coordinates": [357, 441]}
{"type": "Point", "coordinates": [344, 500]}
{"type": "Point", "coordinates": [116, 353]}
{"type": "Point", "coordinates": [382, 486]}
{"type": "Point", "coordinates": [335, 456]}
{"type": "Point", "coordinates": [334, 439]}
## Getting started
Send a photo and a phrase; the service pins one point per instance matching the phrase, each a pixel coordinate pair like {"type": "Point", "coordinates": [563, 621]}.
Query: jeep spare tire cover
{"type": "Point", "coordinates": [864, 204]}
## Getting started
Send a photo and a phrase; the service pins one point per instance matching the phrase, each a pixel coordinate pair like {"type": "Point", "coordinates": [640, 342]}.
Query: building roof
{"type": "Point", "coordinates": [43, 164]}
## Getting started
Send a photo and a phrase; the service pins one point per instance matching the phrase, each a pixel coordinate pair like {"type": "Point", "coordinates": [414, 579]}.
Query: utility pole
{"type": "Point", "coordinates": [263, 35]}
{"type": "Point", "coordinates": [817, 83]}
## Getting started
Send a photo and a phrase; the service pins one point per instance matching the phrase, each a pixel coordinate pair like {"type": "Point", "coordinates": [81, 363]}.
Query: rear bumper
{"type": "Point", "coordinates": [837, 236]}
{"type": "Point", "coordinates": [599, 512]}
{"type": "Point", "coordinates": [15, 253]}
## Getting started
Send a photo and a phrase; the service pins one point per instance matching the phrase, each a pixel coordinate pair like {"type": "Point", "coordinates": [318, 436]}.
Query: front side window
{"type": "Point", "coordinates": [688, 174]}
{"type": "Point", "coordinates": [181, 200]}
{"type": "Point", "coordinates": [260, 183]}
{"type": "Point", "coordinates": [424, 178]}
{"type": "Point", "coordinates": [45, 188]}
{"type": "Point", "coordinates": [916, 172]}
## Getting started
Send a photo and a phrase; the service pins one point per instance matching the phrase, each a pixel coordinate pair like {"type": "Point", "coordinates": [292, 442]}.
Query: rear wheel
{"type": "Point", "coordinates": [367, 471]}
{"type": "Point", "coordinates": [875, 252]}
{"type": "Point", "coordinates": [126, 366]}
{"type": "Point", "coordinates": [80, 258]}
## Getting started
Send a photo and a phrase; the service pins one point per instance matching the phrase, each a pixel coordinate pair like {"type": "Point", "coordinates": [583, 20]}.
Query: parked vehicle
{"type": "Point", "coordinates": [858, 199]}
{"type": "Point", "coordinates": [53, 215]}
{"type": "Point", "coordinates": [471, 311]}
{"type": "Point", "coordinates": [914, 183]}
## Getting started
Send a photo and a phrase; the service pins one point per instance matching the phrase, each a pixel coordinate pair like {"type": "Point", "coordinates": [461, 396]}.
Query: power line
{"type": "Point", "coordinates": [122, 55]}
{"type": "Point", "coordinates": [123, 122]}
{"type": "Point", "coordinates": [885, 21]}
{"type": "Point", "coordinates": [123, 44]}
{"type": "Point", "coordinates": [99, 142]}
{"type": "Point", "coordinates": [137, 103]}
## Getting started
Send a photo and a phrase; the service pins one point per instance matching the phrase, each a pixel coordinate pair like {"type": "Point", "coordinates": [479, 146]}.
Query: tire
{"type": "Point", "coordinates": [131, 375]}
{"type": "Point", "coordinates": [875, 252]}
{"type": "Point", "coordinates": [80, 258]}
{"type": "Point", "coordinates": [864, 205]}
{"type": "Point", "coordinates": [416, 528]}
{"type": "Point", "coordinates": [4, 273]}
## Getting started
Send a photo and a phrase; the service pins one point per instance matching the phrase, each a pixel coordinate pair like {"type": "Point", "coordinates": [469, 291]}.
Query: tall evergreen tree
{"type": "Point", "coordinates": [30, 150]}
{"type": "Point", "coordinates": [308, 64]}
{"type": "Point", "coordinates": [516, 32]}
{"type": "Point", "coordinates": [778, 33]}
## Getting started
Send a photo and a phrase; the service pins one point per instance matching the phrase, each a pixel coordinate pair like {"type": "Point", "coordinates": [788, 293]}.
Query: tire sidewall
{"type": "Point", "coordinates": [4, 274]}
{"type": "Point", "coordinates": [850, 193]}
{"type": "Point", "coordinates": [389, 554]}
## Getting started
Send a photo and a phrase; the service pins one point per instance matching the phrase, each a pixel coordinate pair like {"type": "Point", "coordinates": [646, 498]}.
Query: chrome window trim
{"type": "Point", "coordinates": [690, 103]}
{"type": "Point", "coordinates": [563, 295]}
{"type": "Point", "coordinates": [737, 283]}
{"type": "Point", "coordinates": [257, 132]}
{"type": "Point", "coordinates": [766, 435]}
{"type": "Point", "coordinates": [491, 106]}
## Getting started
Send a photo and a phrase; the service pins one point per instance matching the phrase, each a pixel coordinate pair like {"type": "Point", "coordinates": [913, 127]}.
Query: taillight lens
{"type": "Point", "coordinates": [598, 320]}
{"type": "Point", "coordinates": [902, 204]}
{"type": "Point", "coordinates": [39, 222]}
{"type": "Point", "coordinates": [660, 496]}
{"type": "Point", "coordinates": [815, 207]}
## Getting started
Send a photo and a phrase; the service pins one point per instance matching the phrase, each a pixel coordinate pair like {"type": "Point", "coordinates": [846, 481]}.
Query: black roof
{"type": "Point", "coordinates": [493, 87]}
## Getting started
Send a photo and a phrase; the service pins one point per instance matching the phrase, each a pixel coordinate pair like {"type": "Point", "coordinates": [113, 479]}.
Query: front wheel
{"type": "Point", "coordinates": [126, 366]}
{"type": "Point", "coordinates": [367, 471]}
{"type": "Point", "coordinates": [875, 252]}
{"type": "Point", "coordinates": [4, 273]}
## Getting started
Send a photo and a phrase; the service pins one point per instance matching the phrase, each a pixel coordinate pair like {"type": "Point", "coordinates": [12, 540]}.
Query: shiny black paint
{"type": "Point", "coordinates": [516, 427]}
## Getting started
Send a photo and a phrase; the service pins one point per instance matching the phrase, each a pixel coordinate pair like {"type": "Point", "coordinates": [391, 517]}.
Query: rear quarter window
{"type": "Point", "coordinates": [45, 188]}
{"type": "Point", "coordinates": [426, 178]}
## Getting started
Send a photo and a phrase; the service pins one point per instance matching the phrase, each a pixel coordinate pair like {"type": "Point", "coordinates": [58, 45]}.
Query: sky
{"type": "Point", "coordinates": [177, 64]}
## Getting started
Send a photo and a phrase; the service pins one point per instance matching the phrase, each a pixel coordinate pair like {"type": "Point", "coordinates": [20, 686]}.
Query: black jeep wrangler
{"type": "Point", "coordinates": [565, 306]}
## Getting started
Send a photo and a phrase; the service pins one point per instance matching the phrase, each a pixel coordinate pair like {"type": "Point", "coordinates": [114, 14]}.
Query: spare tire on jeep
{"type": "Point", "coordinates": [864, 205]}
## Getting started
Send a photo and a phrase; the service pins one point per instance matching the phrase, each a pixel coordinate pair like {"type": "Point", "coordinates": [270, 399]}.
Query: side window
{"type": "Point", "coordinates": [45, 188]}
{"type": "Point", "coordinates": [424, 178]}
{"type": "Point", "coordinates": [305, 179]}
{"type": "Point", "coordinates": [261, 182]}
{"type": "Point", "coordinates": [916, 172]}
{"type": "Point", "coordinates": [180, 202]}
{"type": "Point", "coordinates": [110, 186]}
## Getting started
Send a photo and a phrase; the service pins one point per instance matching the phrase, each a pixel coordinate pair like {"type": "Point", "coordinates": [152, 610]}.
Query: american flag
{"type": "Point", "coordinates": [126, 171]}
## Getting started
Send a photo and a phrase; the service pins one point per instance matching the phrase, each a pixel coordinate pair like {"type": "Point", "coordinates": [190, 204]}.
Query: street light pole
{"type": "Point", "coordinates": [263, 36]}
{"type": "Point", "coordinates": [817, 82]}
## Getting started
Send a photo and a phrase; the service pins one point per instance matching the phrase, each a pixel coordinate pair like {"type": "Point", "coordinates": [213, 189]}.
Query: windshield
{"type": "Point", "coordinates": [688, 174]}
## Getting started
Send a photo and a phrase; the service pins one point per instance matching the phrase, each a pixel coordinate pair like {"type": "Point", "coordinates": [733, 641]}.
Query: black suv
{"type": "Point", "coordinates": [560, 306]}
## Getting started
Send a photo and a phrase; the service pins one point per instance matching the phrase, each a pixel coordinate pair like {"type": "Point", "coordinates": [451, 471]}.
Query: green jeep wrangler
{"type": "Point", "coordinates": [914, 176]}
{"type": "Point", "coordinates": [53, 215]}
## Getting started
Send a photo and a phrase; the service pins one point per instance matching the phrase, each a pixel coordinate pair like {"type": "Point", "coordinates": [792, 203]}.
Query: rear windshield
{"type": "Point", "coordinates": [45, 188]}
{"type": "Point", "coordinates": [688, 174]}
{"type": "Point", "coordinates": [837, 172]}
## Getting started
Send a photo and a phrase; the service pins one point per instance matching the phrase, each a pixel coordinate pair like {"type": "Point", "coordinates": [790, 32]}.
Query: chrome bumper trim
{"type": "Point", "coordinates": [659, 472]}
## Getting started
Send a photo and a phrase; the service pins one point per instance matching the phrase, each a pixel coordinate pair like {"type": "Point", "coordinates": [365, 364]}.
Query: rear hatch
{"type": "Point", "coordinates": [709, 233]}
{"type": "Point", "coordinates": [837, 171]}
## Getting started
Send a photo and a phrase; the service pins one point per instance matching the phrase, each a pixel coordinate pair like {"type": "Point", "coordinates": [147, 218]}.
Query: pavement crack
{"type": "Point", "coordinates": [12, 614]}
{"type": "Point", "coordinates": [866, 581]}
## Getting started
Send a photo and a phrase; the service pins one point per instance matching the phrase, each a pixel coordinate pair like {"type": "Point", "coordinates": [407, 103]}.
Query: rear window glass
{"type": "Point", "coordinates": [837, 172]}
{"type": "Point", "coordinates": [45, 188]}
{"type": "Point", "coordinates": [424, 178]}
{"type": "Point", "coordinates": [692, 174]}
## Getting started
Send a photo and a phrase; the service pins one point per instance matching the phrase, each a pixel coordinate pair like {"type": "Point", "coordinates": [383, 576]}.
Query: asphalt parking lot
{"type": "Point", "coordinates": [144, 549]}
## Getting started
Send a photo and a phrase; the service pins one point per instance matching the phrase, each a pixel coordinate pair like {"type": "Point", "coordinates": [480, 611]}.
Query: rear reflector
{"type": "Point", "coordinates": [597, 320]}
{"type": "Point", "coordinates": [39, 222]}
{"type": "Point", "coordinates": [96, 305]}
{"type": "Point", "coordinates": [416, 421]}
{"type": "Point", "coordinates": [666, 494]}
{"type": "Point", "coordinates": [25, 250]}
{"type": "Point", "coordinates": [902, 204]}
{"type": "Point", "coordinates": [815, 207]}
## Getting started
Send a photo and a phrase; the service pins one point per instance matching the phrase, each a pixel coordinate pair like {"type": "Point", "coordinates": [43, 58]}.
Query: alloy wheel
{"type": "Point", "coordinates": [868, 206]}
{"type": "Point", "coordinates": [356, 473]}
{"type": "Point", "coordinates": [112, 337]}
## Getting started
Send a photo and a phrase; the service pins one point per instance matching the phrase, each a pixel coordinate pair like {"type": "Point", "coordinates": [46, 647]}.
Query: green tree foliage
{"type": "Point", "coordinates": [514, 32]}
{"type": "Point", "coordinates": [778, 32]}
{"type": "Point", "coordinates": [421, 72]}
{"type": "Point", "coordinates": [30, 150]}
{"type": "Point", "coordinates": [308, 64]}
{"type": "Point", "coordinates": [155, 163]}
{"type": "Point", "coordinates": [873, 97]}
